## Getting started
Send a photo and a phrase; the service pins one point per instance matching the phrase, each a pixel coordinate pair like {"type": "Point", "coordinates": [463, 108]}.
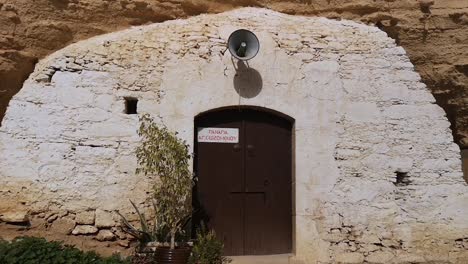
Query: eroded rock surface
{"type": "Point", "coordinates": [434, 33]}
{"type": "Point", "coordinates": [85, 230]}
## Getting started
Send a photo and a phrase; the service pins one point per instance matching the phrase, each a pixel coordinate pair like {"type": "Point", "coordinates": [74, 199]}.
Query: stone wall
{"type": "Point", "coordinates": [433, 32]}
{"type": "Point", "coordinates": [377, 178]}
{"type": "Point", "coordinates": [465, 164]}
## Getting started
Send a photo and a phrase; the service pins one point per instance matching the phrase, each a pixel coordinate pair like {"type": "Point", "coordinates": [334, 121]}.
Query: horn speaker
{"type": "Point", "coordinates": [243, 44]}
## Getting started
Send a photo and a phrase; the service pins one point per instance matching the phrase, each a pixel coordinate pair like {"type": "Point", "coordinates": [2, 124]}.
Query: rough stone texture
{"type": "Point", "coordinates": [349, 258]}
{"type": "Point", "coordinates": [104, 219]}
{"type": "Point", "coordinates": [63, 225]}
{"type": "Point", "coordinates": [60, 230]}
{"type": "Point", "coordinates": [124, 243]}
{"type": "Point", "coordinates": [84, 230]}
{"type": "Point", "coordinates": [105, 235]}
{"type": "Point", "coordinates": [85, 218]}
{"type": "Point", "coordinates": [380, 258]}
{"type": "Point", "coordinates": [16, 216]}
{"type": "Point", "coordinates": [376, 166]}
{"type": "Point", "coordinates": [433, 32]}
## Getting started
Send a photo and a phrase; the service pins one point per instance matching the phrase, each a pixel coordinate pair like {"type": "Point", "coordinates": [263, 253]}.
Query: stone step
{"type": "Point", "coordinates": [268, 259]}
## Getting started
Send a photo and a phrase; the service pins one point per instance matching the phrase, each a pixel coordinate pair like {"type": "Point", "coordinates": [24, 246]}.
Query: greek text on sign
{"type": "Point", "coordinates": [218, 135]}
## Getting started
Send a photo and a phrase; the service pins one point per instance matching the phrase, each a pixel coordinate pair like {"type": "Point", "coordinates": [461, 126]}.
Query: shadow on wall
{"type": "Point", "coordinates": [464, 155]}
{"type": "Point", "coordinates": [13, 77]}
{"type": "Point", "coordinates": [247, 81]}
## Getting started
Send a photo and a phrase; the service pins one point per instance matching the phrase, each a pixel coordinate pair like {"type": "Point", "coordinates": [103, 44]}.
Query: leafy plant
{"type": "Point", "coordinates": [33, 250]}
{"type": "Point", "coordinates": [208, 249]}
{"type": "Point", "coordinates": [148, 232]}
{"type": "Point", "coordinates": [163, 154]}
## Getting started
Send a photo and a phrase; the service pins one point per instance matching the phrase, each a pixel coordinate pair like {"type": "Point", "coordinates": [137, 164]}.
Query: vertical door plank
{"type": "Point", "coordinates": [219, 172]}
{"type": "Point", "coordinates": [268, 169]}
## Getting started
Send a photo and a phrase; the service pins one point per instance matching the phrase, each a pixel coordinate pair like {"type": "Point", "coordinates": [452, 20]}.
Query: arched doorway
{"type": "Point", "coordinates": [243, 162]}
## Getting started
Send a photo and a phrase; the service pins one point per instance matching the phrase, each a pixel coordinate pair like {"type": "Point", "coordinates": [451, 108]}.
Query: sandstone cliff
{"type": "Point", "coordinates": [434, 33]}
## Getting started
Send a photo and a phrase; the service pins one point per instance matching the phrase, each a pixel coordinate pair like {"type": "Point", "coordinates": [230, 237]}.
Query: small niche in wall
{"type": "Point", "coordinates": [402, 178]}
{"type": "Point", "coordinates": [131, 105]}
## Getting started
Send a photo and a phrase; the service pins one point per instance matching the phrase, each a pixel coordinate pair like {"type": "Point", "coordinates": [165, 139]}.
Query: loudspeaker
{"type": "Point", "coordinates": [243, 44]}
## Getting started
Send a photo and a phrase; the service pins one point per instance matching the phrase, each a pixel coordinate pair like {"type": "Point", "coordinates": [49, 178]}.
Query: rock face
{"type": "Point", "coordinates": [105, 235]}
{"type": "Point", "coordinates": [85, 218]}
{"type": "Point", "coordinates": [16, 216]}
{"type": "Point", "coordinates": [434, 33]}
{"type": "Point", "coordinates": [380, 258]}
{"type": "Point", "coordinates": [63, 226]}
{"type": "Point", "coordinates": [104, 219]}
{"type": "Point", "coordinates": [376, 169]}
{"type": "Point", "coordinates": [84, 230]}
{"type": "Point", "coordinates": [350, 258]}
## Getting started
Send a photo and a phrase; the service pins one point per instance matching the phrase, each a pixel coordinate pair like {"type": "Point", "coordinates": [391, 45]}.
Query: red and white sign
{"type": "Point", "coordinates": [218, 135]}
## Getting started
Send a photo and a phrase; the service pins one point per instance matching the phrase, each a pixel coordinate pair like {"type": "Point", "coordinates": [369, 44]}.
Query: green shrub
{"type": "Point", "coordinates": [208, 249]}
{"type": "Point", "coordinates": [33, 250]}
{"type": "Point", "coordinates": [143, 259]}
{"type": "Point", "coordinates": [161, 153]}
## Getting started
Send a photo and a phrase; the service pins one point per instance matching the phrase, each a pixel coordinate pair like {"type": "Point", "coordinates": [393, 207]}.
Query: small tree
{"type": "Point", "coordinates": [162, 153]}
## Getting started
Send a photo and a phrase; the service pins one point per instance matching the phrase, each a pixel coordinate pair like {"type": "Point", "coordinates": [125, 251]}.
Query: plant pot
{"type": "Point", "coordinates": [166, 255]}
{"type": "Point", "coordinates": [148, 248]}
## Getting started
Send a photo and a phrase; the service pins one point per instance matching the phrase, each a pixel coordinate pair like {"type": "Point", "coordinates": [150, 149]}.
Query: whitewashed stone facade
{"type": "Point", "coordinates": [363, 118]}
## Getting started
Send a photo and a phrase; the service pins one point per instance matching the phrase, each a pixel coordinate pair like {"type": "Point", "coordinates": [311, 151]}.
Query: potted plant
{"type": "Point", "coordinates": [161, 153]}
{"type": "Point", "coordinates": [208, 249]}
{"type": "Point", "coordinates": [147, 235]}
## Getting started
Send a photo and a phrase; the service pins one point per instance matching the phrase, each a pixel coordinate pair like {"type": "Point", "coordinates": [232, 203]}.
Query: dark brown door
{"type": "Point", "coordinates": [244, 188]}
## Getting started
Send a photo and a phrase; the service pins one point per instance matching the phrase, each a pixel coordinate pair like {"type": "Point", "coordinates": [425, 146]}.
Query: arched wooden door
{"type": "Point", "coordinates": [243, 162]}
